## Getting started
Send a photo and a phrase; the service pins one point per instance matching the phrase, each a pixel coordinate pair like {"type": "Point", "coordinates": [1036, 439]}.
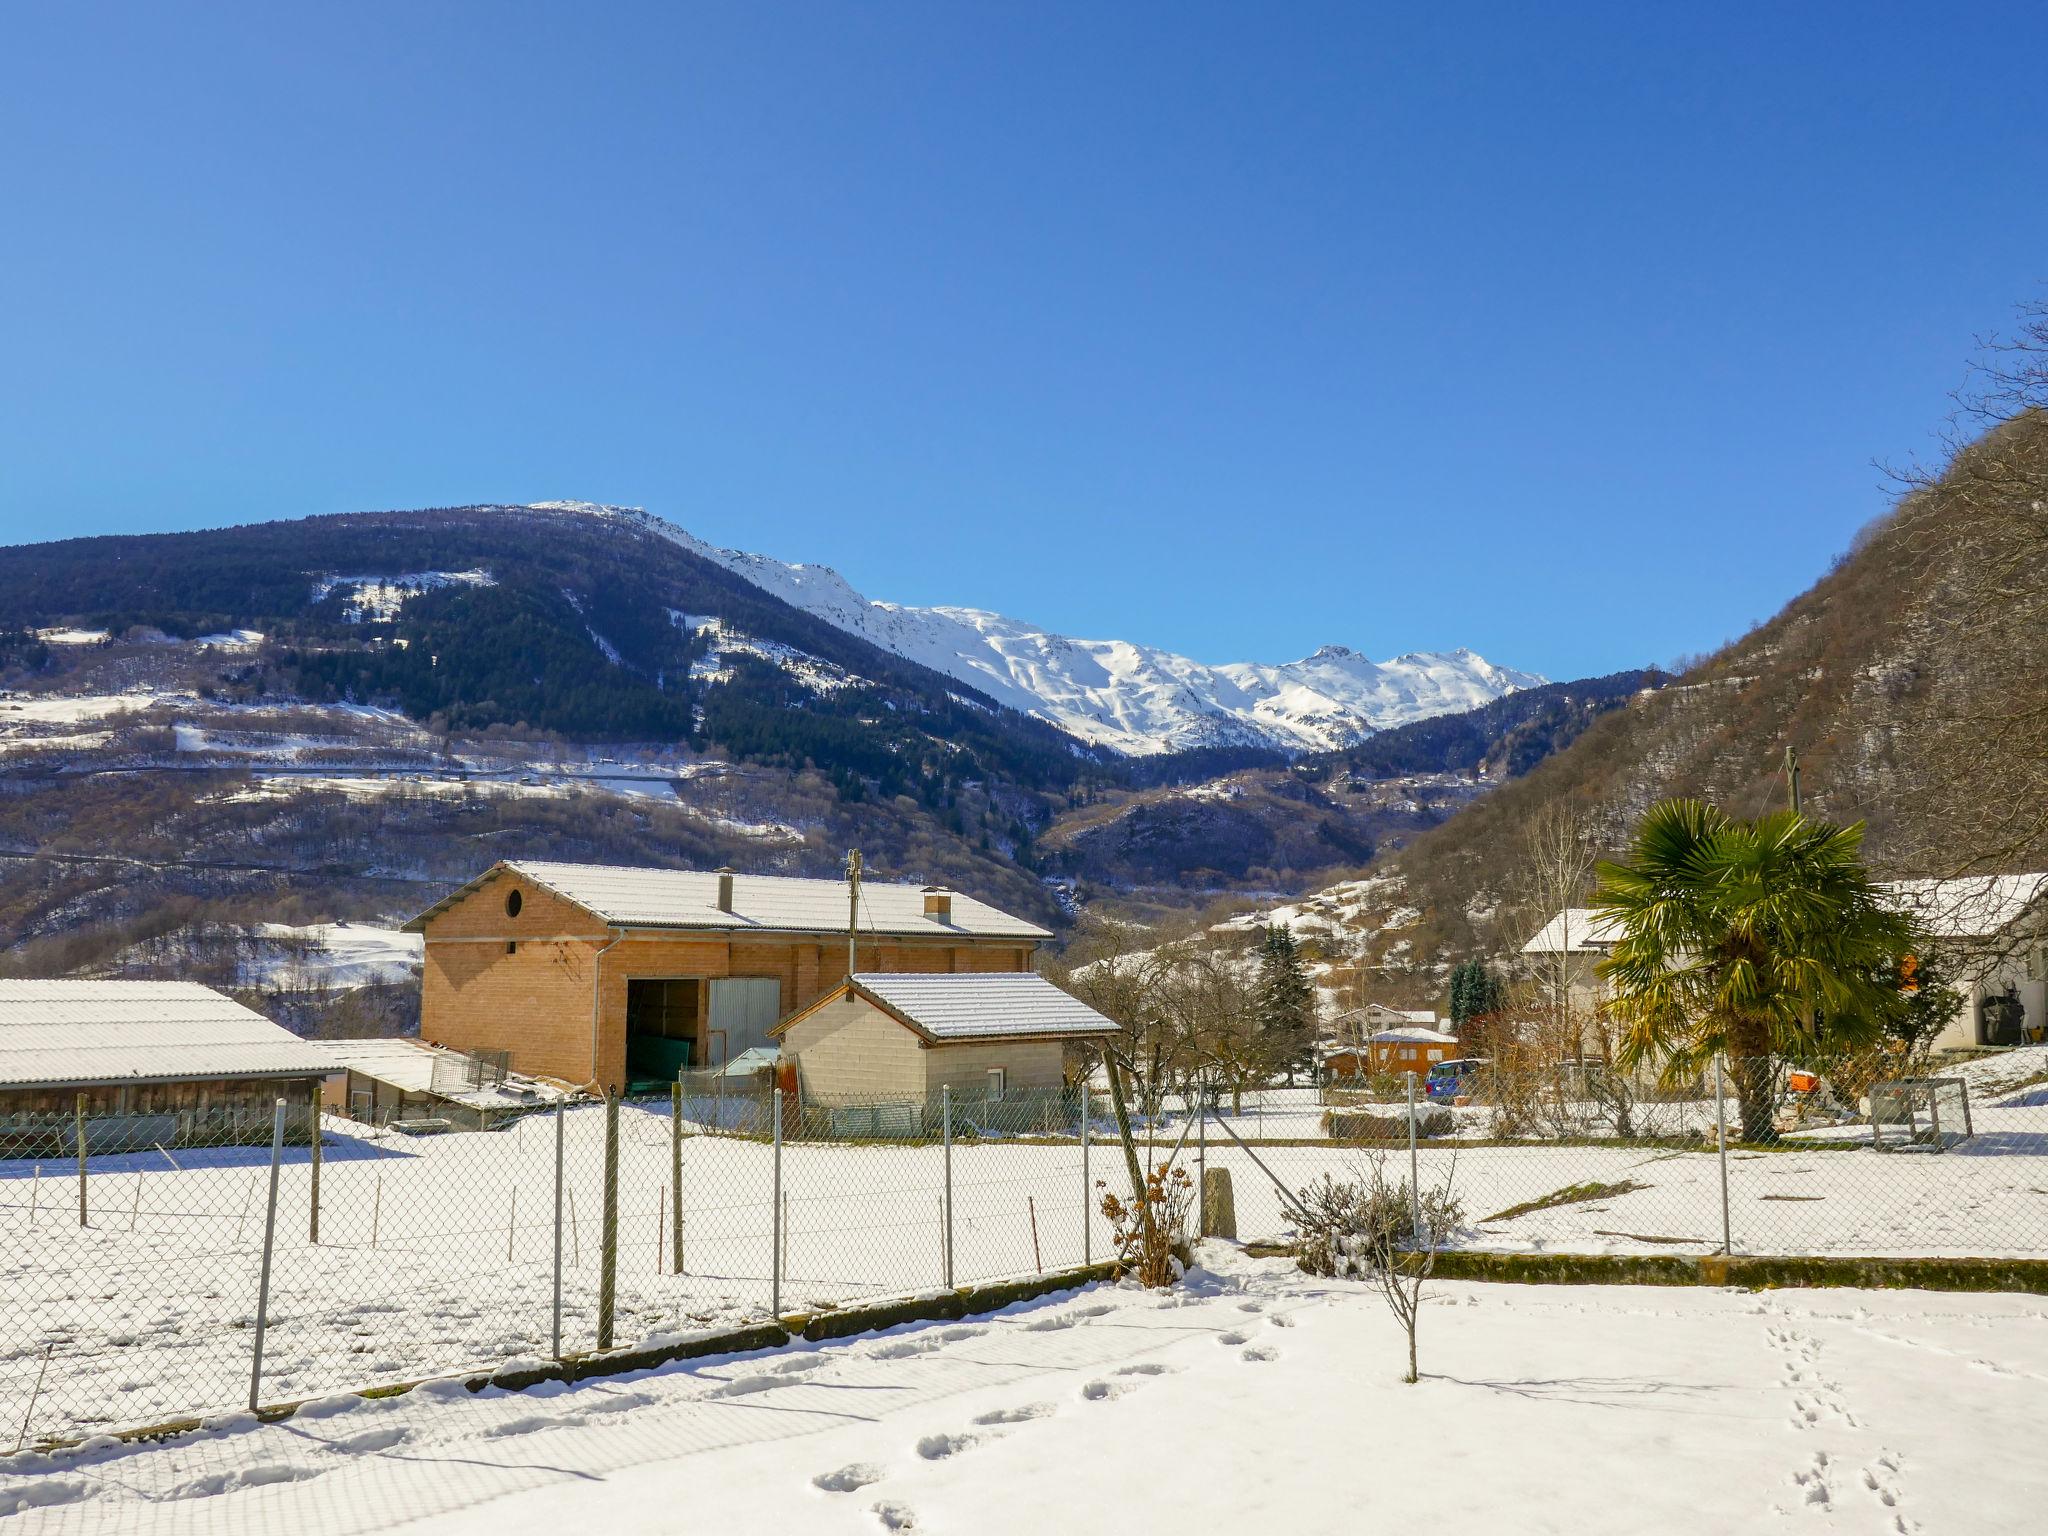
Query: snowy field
{"type": "Point", "coordinates": [436, 1253]}
{"type": "Point", "coordinates": [1253, 1399]}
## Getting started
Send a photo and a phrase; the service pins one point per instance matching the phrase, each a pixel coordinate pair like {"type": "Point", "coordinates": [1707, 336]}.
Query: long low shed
{"type": "Point", "coordinates": [145, 1063]}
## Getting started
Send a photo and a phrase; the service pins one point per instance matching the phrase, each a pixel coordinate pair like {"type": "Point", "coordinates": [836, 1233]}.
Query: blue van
{"type": "Point", "coordinates": [1448, 1079]}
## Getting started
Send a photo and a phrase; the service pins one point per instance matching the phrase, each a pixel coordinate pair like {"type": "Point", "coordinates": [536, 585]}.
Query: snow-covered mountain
{"type": "Point", "coordinates": [1132, 698]}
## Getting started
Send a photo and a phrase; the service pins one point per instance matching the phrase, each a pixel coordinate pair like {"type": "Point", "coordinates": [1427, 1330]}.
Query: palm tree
{"type": "Point", "coordinates": [1748, 939]}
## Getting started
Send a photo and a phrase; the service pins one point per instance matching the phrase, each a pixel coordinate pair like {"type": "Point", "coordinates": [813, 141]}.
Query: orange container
{"type": "Point", "coordinates": [1802, 1082]}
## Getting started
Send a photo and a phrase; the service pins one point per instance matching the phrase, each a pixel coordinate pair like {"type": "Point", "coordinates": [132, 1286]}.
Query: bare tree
{"type": "Point", "coordinates": [1381, 1230]}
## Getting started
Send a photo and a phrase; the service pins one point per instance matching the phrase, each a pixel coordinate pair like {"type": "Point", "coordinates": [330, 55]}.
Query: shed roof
{"type": "Point", "coordinates": [981, 1005]}
{"type": "Point", "coordinates": [56, 1033]}
{"type": "Point", "coordinates": [629, 897]}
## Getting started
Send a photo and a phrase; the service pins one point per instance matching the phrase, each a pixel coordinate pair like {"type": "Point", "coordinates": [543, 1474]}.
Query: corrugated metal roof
{"type": "Point", "coordinates": [685, 898]}
{"type": "Point", "coordinates": [984, 1004]}
{"type": "Point", "coordinates": [62, 1032]}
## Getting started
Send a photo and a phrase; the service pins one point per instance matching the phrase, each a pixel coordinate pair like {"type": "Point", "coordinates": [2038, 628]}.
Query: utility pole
{"type": "Point", "coordinates": [1792, 777]}
{"type": "Point", "coordinates": [852, 910]}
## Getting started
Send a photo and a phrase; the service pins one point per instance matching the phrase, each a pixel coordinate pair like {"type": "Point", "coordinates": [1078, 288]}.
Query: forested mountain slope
{"type": "Point", "coordinates": [1911, 680]}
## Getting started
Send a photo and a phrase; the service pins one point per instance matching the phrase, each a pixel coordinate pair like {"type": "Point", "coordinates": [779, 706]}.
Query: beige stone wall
{"type": "Point", "coordinates": [850, 1052]}
{"type": "Point", "coordinates": [1028, 1066]}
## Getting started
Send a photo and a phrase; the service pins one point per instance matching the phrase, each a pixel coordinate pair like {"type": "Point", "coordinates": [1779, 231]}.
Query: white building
{"type": "Point", "coordinates": [1993, 929]}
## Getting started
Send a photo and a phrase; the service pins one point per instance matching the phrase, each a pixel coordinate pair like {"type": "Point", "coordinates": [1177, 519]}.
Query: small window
{"type": "Point", "coordinates": [995, 1082]}
{"type": "Point", "coordinates": [513, 902]}
{"type": "Point", "coordinates": [511, 946]}
{"type": "Point", "coordinates": [1436, 1055]}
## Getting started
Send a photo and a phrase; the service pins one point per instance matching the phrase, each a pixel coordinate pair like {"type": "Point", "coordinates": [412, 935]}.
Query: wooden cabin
{"type": "Point", "coordinates": [605, 975]}
{"type": "Point", "coordinates": [145, 1063]}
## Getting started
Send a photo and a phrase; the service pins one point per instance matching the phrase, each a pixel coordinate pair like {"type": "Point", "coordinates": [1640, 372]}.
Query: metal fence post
{"type": "Point", "coordinates": [608, 1231]}
{"type": "Point", "coordinates": [675, 1172]}
{"type": "Point", "coordinates": [269, 1240]}
{"type": "Point", "coordinates": [1201, 1163]}
{"type": "Point", "coordinates": [1414, 1168]}
{"type": "Point", "coordinates": [78, 1131]}
{"type": "Point", "coordinates": [946, 1131]}
{"type": "Point", "coordinates": [1087, 1222]}
{"type": "Point", "coordinates": [558, 1229]}
{"type": "Point", "coordinates": [313, 1209]}
{"type": "Point", "coordinates": [1721, 1139]}
{"type": "Point", "coordinates": [775, 1215]}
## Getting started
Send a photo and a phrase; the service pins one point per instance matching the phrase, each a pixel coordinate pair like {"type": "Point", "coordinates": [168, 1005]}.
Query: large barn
{"type": "Point", "coordinates": [603, 975]}
{"type": "Point", "coordinates": [145, 1063]}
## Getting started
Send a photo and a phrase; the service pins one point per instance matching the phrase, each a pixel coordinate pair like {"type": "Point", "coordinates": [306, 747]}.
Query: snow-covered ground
{"type": "Point", "coordinates": [435, 1253]}
{"type": "Point", "coordinates": [1252, 1399]}
{"type": "Point", "coordinates": [333, 955]}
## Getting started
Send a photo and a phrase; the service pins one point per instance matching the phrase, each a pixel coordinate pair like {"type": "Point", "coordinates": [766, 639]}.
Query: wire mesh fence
{"type": "Point", "coordinates": [136, 1282]}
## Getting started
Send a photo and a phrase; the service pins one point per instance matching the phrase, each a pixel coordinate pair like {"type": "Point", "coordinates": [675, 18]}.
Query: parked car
{"type": "Point", "coordinates": [1448, 1079]}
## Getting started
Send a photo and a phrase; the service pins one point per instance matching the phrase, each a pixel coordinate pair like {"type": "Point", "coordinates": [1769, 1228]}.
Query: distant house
{"type": "Point", "coordinates": [597, 974]}
{"type": "Point", "coordinates": [1412, 1048]}
{"type": "Point", "coordinates": [166, 1063]}
{"type": "Point", "coordinates": [386, 1080]}
{"type": "Point", "coordinates": [1357, 1025]}
{"type": "Point", "coordinates": [1994, 929]}
{"type": "Point", "coordinates": [1568, 949]}
{"type": "Point", "coordinates": [902, 1038]}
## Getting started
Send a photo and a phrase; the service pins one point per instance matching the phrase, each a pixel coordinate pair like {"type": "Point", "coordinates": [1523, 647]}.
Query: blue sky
{"type": "Point", "coordinates": [1234, 329]}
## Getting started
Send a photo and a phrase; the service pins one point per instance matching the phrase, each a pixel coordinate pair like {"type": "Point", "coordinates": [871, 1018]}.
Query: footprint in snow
{"type": "Point", "coordinates": [1279, 1320]}
{"type": "Point", "coordinates": [896, 1517]}
{"type": "Point", "coordinates": [1016, 1415]}
{"type": "Point", "coordinates": [372, 1440]}
{"type": "Point", "coordinates": [1260, 1352]}
{"type": "Point", "coordinates": [1232, 1339]}
{"type": "Point", "coordinates": [923, 1343]}
{"type": "Point", "coordinates": [1147, 1368]}
{"type": "Point", "coordinates": [939, 1447]}
{"type": "Point", "coordinates": [849, 1478]}
{"type": "Point", "coordinates": [522, 1426]}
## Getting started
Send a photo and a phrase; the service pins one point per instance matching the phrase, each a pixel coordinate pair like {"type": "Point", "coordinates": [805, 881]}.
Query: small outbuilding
{"type": "Point", "coordinates": [406, 1082]}
{"type": "Point", "coordinates": [902, 1038]}
{"type": "Point", "coordinates": [1409, 1049]}
{"type": "Point", "coordinates": [145, 1063]}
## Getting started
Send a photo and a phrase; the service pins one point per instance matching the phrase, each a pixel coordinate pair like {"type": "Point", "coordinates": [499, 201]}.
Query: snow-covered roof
{"type": "Point", "coordinates": [686, 898]}
{"type": "Point", "coordinates": [1575, 930]}
{"type": "Point", "coordinates": [408, 1065]}
{"type": "Point", "coordinates": [1413, 1036]}
{"type": "Point", "coordinates": [1972, 907]}
{"type": "Point", "coordinates": [984, 1005]}
{"type": "Point", "coordinates": [92, 1032]}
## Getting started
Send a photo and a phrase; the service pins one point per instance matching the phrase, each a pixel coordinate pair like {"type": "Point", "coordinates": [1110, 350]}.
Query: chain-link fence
{"type": "Point", "coordinates": [136, 1282]}
{"type": "Point", "coordinates": [1863, 1155]}
{"type": "Point", "coordinates": [226, 1268]}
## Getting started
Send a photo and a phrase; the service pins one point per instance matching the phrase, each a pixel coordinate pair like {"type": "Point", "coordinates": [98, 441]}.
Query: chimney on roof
{"type": "Point", "coordinates": [725, 889]}
{"type": "Point", "coordinates": [938, 903]}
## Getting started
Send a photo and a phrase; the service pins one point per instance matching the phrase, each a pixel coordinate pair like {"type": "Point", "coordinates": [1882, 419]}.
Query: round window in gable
{"type": "Point", "coordinates": [513, 902]}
